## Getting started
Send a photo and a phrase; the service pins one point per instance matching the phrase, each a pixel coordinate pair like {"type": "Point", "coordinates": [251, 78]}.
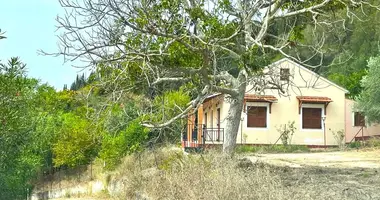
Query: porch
{"type": "Point", "coordinates": [198, 135]}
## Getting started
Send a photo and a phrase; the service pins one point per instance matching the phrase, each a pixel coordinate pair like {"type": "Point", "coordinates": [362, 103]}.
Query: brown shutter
{"type": "Point", "coordinates": [311, 118]}
{"type": "Point", "coordinates": [257, 117]}
{"type": "Point", "coordinates": [359, 119]}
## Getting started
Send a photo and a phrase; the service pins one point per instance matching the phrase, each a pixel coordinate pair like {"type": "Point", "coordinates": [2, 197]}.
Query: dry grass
{"type": "Point", "coordinates": [172, 175]}
{"type": "Point", "coordinates": [169, 174]}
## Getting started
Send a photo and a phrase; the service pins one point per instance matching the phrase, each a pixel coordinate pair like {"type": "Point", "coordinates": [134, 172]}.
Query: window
{"type": "Point", "coordinates": [284, 74]}
{"type": "Point", "coordinates": [312, 118]}
{"type": "Point", "coordinates": [359, 119]}
{"type": "Point", "coordinates": [256, 117]}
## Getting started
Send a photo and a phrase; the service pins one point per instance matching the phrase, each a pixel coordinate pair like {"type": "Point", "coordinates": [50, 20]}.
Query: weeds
{"type": "Point", "coordinates": [374, 142]}
{"type": "Point", "coordinates": [287, 131]}
{"type": "Point", "coordinates": [205, 176]}
{"type": "Point", "coordinates": [272, 149]}
{"type": "Point", "coordinates": [355, 144]}
{"type": "Point", "coordinates": [339, 138]}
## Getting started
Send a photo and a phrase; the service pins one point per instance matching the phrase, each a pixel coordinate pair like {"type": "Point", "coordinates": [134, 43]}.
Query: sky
{"type": "Point", "coordinates": [30, 26]}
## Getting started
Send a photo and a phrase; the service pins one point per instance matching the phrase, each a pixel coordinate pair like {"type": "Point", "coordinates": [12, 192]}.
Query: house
{"type": "Point", "coordinates": [317, 107]}
{"type": "Point", "coordinates": [356, 126]}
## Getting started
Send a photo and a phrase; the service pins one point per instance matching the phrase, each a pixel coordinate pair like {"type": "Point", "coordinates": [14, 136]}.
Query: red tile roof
{"type": "Point", "coordinates": [262, 98]}
{"type": "Point", "coordinates": [314, 99]}
{"type": "Point", "coordinates": [211, 97]}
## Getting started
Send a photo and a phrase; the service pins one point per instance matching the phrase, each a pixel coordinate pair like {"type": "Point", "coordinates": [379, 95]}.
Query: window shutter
{"type": "Point", "coordinates": [311, 118]}
{"type": "Point", "coordinates": [257, 117]}
{"type": "Point", "coordinates": [359, 119]}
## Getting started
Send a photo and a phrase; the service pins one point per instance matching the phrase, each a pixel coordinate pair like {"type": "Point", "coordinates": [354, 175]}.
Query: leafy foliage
{"type": "Point", "coordinates": [352, 49]}
{"type": "Point", "coordinates": [369, 99]}
{"type": "Point", "coordinates": [17, 116]}
{"type": "Point", "coordinates": [287, 131]}
{"type": "Point", "coordinates": [76, 144]}
{"type": "Point", "coordinates": [115, 147]}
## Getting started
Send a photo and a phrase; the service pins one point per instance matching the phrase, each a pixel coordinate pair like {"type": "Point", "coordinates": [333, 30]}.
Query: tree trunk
{"type": "Point", "coordinates": [234, 114]}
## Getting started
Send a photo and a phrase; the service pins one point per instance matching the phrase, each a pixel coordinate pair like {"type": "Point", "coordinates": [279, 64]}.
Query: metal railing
{"type": "Point", "coordinates": [359, 131]}
{"type": "Point", "coordinates": [213, 134]}
{"type": "Point", "coordinates": [199, 134]}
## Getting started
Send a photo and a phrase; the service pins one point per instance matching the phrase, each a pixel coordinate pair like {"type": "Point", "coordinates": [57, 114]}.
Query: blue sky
{"type": "Point", "coordinates": [30, 25]}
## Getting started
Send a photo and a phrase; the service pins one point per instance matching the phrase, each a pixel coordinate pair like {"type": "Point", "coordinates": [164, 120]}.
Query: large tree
{"type": "Point", "coordinates": [355, 46]}
{"type": "Point", "coordinates": [216, 46]}
{"type": "Point", "coordinates": [18, 161]}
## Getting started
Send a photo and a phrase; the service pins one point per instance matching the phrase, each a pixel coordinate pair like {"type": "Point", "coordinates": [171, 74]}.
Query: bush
{"type": "Point", "coordinates": [129, 141]}
{"type": "Point", "coordinates": [76, 143]}
{"type": "Point", "coordinates": [374, 142]}
{"type": "Point", "coordinates": [287, 132]}
{"type": "Point", "coordinates": [339, 138]}
{"type": "Point", "coordinates": [245, 149]}
{"type": "Point", "coordinates": [355, 144]}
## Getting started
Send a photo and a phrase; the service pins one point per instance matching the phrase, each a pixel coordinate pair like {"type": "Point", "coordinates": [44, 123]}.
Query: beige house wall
{"type": "Point", "coordinates": [303, 83]}
{"type": "Point", "coordinates": [211, 111]}
{"type": "Point", "coordinates": [351, 130]}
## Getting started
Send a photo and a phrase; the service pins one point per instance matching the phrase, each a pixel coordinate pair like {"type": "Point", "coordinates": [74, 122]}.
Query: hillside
{"type": "Point", "coordinates": [169, 174]}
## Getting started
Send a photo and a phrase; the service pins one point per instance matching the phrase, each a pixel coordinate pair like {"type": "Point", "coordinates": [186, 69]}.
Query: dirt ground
{"type": "Point", "coordinates": [327, 175]}
{"type": "Point", "coordinates": [342, 159]}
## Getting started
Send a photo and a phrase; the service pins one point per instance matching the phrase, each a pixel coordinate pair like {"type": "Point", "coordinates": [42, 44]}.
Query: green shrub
{"type": "Point", "coordinates": [298, 148]}
{"type": "Point", "coordinates": [287, 131]}
{"type": "Point", "coordinates": [355, 144]}
{"type": "Point", "coordinates": [245, 149]}
{"type": "Point", "coordinates": [374, 142]}
{"type": "Point", "coordinates": [76, 143]}
{"type": "Point", "coordinates": [126, 142]}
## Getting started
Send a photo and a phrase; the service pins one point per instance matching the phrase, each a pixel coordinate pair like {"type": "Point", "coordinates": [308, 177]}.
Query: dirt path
{"type": "Point", "coordinates": [353, 175]}
{"type": "Point", "coordinates": [351, 159]}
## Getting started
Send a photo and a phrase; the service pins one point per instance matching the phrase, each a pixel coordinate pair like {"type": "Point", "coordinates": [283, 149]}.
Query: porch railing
{"type": "Point", "coordinates": [213, 134]}
{"type": "Point", "coordinates": [199, 134]}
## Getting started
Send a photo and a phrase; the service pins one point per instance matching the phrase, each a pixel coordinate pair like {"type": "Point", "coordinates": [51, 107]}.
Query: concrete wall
{"type": "Point", "coordinates": [351, 130]}
{"type": "Point", "coordinates": [302, 83]}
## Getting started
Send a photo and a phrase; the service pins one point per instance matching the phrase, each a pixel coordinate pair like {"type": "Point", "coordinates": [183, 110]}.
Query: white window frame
{"type": "Point", "coordinates": [322, 115]}
{"type": "Point", "coordinates": [353, 119]}
{"type": "Point", "coordinates": [256, 104]}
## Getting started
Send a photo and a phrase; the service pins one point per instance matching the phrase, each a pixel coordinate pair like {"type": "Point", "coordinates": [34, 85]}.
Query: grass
{"type": "Point", "coordinates": [168, 173]}
{"type": "Point", "coordinates": [371, 143]}
{"type": "Point", "coordinates": [173, 175]}
{"type": "Point", "coordinates": [272, 149]}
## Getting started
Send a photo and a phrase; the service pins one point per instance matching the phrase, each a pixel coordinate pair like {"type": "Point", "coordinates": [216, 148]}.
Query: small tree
{"type": "Point", "coordinates": [369, 99]}
{"type": "Point", "coordinates": [339, 138]}
{"type": "Point", "coordinates": [287, 131]}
